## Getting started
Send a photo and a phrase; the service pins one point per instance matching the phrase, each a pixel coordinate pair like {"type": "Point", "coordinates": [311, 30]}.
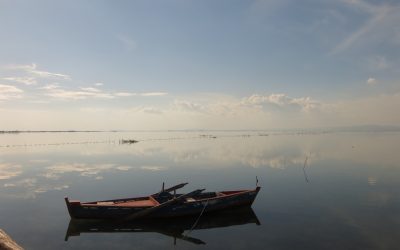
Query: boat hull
{"type": "Point", "coordinates": [183, 208]}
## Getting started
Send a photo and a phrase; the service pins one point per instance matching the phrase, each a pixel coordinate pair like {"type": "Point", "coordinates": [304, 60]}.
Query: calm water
{"type": "Point", "coordinates": [346, 196]}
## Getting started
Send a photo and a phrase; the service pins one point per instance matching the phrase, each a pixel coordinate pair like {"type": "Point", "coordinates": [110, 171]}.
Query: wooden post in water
{"type": "Point", "coordinates": [7, 243]}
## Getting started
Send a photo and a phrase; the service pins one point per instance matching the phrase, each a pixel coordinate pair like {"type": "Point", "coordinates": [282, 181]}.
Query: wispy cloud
{"type": "Point", "coordinates": [129, 94]}
{"type": "Point", "coordinates": [151, 110]}
{"type": "Point", "coordinates": [127, 42]}
{"type": "Point", "coordinates": [50, 86]}
{"type": "Point", "coordinates": [250, 104]}
{"type": "Point", "coordinates": [29, 74]}
{"type": "Point", "coordinates": [8, 92]}
{"type": "Point", "coordinates": [23, 80]}
{"type": "Point", "coordinates": [32, 70]}
{"type": "Point", "coordinates": [281, 101]}
{"type": "Point", "coordinates": [82, 94]}
{"type": "Point", "coordinates": [189, 106]}
{"type": "Point", "coordinates": [154, 94]}
{"type": "Point", "coordinates": [57, 92]}
{"type": "Point", "coordinates": [125, 94]}
{"type": "Point", "coordinates": [146, 109]}
{"type": "Point", "coordinates": [377, 27]}
{"type": "Point", "coordinates": [90, 89]}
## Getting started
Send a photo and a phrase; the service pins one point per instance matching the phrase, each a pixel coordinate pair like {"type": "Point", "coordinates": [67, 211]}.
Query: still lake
{"type": "Point", "coordinates": [335, 190]}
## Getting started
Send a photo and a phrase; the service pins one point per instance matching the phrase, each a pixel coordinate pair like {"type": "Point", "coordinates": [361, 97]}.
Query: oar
{"type": "Point", "coordinates": [150, 210]}
{"type": "Point", "coordinates": [173, 188]}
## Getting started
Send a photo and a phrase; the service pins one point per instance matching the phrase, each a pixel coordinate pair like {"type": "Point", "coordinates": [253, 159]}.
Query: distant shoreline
{"type": "Point", "coordinates": [362, 128]}
{"type": "Point", "coordinates": [51, 131]}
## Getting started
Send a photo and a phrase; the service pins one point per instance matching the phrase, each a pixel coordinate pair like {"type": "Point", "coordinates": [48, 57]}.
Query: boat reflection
{"type": "Point", "coordinates": [170, 227]}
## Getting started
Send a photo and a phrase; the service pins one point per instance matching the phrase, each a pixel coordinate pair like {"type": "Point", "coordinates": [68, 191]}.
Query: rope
{"type": "Point", "coordinates": [197, 221]}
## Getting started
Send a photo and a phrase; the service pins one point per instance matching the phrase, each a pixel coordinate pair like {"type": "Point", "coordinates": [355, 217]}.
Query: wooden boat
{"type": "Point", "coordinates": [163, 204]}
{"type": "Point", "coordinates": [177, 228]}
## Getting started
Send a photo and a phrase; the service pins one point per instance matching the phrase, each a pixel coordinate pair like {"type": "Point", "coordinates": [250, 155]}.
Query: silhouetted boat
{"type": "Point", "coordinates": [175, 227]}
{"type": "Point", "coordinates": [163, 204]}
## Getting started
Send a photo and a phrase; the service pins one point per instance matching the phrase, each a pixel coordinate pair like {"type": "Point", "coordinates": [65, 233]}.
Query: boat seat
{"type": "Point", "coordinates": [105, 203]}
{"type": "Point", "coordinates": [139, 203]}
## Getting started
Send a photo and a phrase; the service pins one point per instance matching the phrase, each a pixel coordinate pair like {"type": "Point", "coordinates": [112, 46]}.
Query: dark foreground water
{"type": "Point", "coordinates": [319, 190]}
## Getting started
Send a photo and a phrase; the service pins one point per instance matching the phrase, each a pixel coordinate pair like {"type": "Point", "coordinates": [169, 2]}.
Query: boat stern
{"type": "Point", "coordinates": [70, 205]}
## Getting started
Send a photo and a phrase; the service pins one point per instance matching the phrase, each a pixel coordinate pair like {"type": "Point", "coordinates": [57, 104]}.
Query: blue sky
{"type": "Point", "coordinates": [198, 64]}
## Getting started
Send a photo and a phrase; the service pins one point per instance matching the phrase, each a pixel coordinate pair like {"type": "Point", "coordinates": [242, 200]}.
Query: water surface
{"type": "Point", "coordinates": [319, 190]}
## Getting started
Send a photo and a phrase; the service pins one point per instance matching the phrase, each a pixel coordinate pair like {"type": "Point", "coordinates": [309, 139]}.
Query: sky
{"type": "Point", "coordinates": [189, 64]}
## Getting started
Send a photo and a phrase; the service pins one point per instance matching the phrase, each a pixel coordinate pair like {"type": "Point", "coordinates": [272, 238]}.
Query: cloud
{"type": "Point", "coordinates": [90, 89]}
{"type": "Point", "coordinates": [281, 101]}
{"type": "Point", "coordinates": [202, 111]}
{"type": "Point", "coordinates": [32, 70]}
{"type": "Point", "coordinates": [372, 81]}
{"type": "Point", "coordinates": [378, 26]}
{"type": "Point", "coordinates": [23, 80]}
{"type": "Point", "coordinates": [125, 94]}
{"type": "Point", "coordinates": [50, 87]}
{"type": "Point", "coordinates": [127, 42]}
{"type": "Point", "coordinates": [148, 110]}
{"type": "Point", "coordinates": [55, 91]}
{"type": "Point", "coordinates": [188, 106]}
{"type": "Point", "coordinates": [129, 94]}
{"type": "Point", "coordinates": [151, 110]}
{"type": "Point", "coordinates": [306, 104]}
{"type": "Point", "coordinates": [253, 105]}
{"type": "Point", "coordinates": [277, 99]}
{"type": "Point", "coordinates": [8, 92]}
{"type": "Point", "coordinates": [83, 93]}
{"type": "Point", "coordinates": [154, 94]}
{"type": "Point", "coordinates": [30, 75]}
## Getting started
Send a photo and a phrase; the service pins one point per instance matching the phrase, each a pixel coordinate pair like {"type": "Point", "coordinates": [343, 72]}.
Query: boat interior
{"type": "Point", "coordinates": [156, 199]}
